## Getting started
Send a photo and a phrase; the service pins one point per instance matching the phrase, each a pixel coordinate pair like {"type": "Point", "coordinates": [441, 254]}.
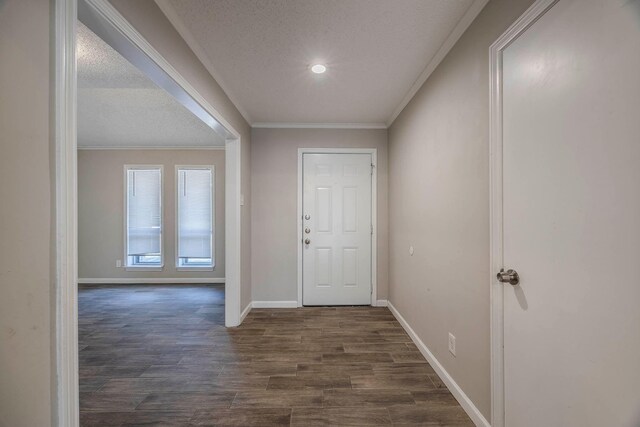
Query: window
{"type": "Point", "coordinates": [195, 217]}
{"type": "Point", "coordinates": [144, 217]}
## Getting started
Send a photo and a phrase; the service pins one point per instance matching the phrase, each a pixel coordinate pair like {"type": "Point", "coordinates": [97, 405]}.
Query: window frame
{"type": "Point", "coordinates": [141, 267]}
{"type": "Point", "coordinates": [195, 267]}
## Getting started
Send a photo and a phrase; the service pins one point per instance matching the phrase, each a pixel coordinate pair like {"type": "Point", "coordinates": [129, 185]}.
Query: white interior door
{"type": "Point", "coordinates": [336, 210]}
{"type": "Point", "coordinates": [571, 182]}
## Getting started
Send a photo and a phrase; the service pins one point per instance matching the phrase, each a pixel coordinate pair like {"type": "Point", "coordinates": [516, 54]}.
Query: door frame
{"type": "Point", "coordinates": [522, 24]}
{"type": "Point", "coordinates": [65, 400]}
{"type": "Point", "coordinates": [374, 207]}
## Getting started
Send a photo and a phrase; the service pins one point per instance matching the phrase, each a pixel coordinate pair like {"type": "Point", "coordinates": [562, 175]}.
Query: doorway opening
{"type": "Point", "coordinates": [103, 20]}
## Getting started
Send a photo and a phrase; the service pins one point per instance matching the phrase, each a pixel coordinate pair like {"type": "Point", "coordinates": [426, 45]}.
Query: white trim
{"type": "Point", "coordinates": [246, 311]}
{"type": "Point", "coordinates": [374, 226]}
{"type": "Point", "coordinates": [374, 210]}
{"type": "Point", "coordinates": [157, 280]}
{"type": "Point", "coordinates": [199, 268]}
{"type": "Point", "coordinates": [168, 11]}
{"type": "Point", "coordinates": [104, 147]}
{"type": "Point", "coordinates": [382, 303]}
{"type": "Point", "coordinates": [66, 394]}
{"type": "Point", "coordinates": [274, 304]}
{"type": "Point", "coordinates": [275, 125]}
{"type": "Point", "coordinates": [179, 267]}
{"type": "Point", "coordinates": [233, 230]}
{"type": "Point", "coordinates": [337, 151]}
{"type": "Point", "coordinates": [530, 16]}
{"type": "Point", "coordinates": [457, 32]}
{"type": "Point", "coordinates": [466, 403]}
{"type": "Point", "coordinates": [141, 268]}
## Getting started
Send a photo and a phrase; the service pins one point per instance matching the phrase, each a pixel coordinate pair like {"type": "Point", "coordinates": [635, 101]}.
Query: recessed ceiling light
{"type": "Point", "coordinates": [318, 68]}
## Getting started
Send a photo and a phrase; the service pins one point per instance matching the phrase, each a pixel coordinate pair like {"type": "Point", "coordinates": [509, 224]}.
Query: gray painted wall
{"type": "Point", "coordinates": [26, 251]}
{"type": "Point", "coordinates": [275, 202]}
{"type": "Point", "coordinates": [439, 203]}
{"type": "Point", "coordinates": [101, 210]}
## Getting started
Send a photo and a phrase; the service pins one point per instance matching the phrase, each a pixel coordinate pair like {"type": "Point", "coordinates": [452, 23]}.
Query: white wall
{"type": "Point", "coordinates": [26, 250]}
{"type": "Point", "coordinates": [439, 203]}
{"type": "Point", "coordinates": [148, 19]}
{"type": "Point", "coordinates": [274, 175]}
{"type": "Point", "coordinates": [101, 210]}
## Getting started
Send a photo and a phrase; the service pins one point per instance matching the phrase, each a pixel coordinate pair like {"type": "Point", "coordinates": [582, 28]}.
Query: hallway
{"type": "Point", "coordinates": [161, 355]}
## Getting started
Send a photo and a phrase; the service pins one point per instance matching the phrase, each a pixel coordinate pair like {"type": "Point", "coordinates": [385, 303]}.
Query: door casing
{"type": "Point", "coordinates": [374, 207]}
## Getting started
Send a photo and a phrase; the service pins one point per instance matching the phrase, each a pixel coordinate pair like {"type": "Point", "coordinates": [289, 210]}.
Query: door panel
{"type": "Point", "coordinates": [350, 210]}
{"type": "Point", "coordinates": [571, 182]}
{"type": "Point", "coordinates": [324, 209]}
{"type": "Point", "coordinates": [337, 200]}
{"type": "Point", "coordinates": [324, 271]}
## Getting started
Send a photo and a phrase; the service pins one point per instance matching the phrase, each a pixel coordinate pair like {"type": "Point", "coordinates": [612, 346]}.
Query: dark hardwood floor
{"type": "Point", "coordinates": [160, 355]}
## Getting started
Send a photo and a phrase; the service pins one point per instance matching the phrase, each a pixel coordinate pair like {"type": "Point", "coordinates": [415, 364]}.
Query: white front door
{"type": "Point", "coordinates": [571, 182]}
{"type": "Point", "coordinates": [336, 246]}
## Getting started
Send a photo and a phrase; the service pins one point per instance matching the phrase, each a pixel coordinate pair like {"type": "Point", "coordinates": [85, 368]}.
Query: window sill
{"type": "Point", "coordinates": [143, 268]}
{"type": "Point", "coordinates": [194, 268]}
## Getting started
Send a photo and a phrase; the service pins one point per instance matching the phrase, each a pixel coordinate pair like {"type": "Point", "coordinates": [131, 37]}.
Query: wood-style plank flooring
{"type": "Point", "coordinates": [160, 355]}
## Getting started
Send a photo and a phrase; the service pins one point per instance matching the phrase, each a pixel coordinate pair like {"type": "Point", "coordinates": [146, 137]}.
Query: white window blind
{"type": "Point", "coordinates": [195, 216]}
{"type": "Point", "coordinates": [144, 215]}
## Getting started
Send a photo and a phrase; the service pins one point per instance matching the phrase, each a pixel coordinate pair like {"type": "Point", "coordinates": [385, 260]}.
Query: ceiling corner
{"type": "Point", "coordinates": [288, 125]}
{"type": "Point", "coordinates": [170, 13]}
{"type": "Point", "coordinates": [467, 19]}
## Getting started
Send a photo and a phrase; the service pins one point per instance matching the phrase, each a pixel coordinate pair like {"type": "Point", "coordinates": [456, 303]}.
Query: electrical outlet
{"type": "Point", "coordinates": [452, 344]}
{"type": "Point", "coordinates": [118, 263]}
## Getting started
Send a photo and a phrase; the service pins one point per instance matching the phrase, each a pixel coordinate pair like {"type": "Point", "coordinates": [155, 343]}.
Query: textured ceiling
{"type": "Point", "coordinates": [260, 51]}
{"type": "Point", "coordinates": [118, 106]}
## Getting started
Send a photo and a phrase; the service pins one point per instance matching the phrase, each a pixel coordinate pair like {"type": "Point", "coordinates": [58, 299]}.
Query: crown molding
{"type": "Point", "coordinates": [106, 147]}
{"type": "Point", "coordinates": [462, 25]}
{"type": "Point", "coordinates": [274, 125]}
{"type": "Point", "coordinates": [457, 32]}
{"type": "Point", "coordinates": [175, 20]}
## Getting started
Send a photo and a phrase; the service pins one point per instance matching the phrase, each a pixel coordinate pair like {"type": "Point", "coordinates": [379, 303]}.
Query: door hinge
{"type": "Point", "coordinates": [372, 229]}
{"type": "Point", "coordinates": [372, 166]}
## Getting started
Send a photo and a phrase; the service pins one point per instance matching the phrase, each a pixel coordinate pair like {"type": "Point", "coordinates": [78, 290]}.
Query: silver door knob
{"type": "Point", "coordinates": [509, 276]}
{"type": "Point", "coordinates": [307, 241]}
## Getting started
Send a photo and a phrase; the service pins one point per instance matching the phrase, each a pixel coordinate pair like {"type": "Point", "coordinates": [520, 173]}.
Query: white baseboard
{"type": "Point", "coordinates": [274, 304]}
{"type": "Point", "coordinates": [158, 280]}
{"type": "Point", "coordinates": [246, 311]}
{"type": "Point", "coordinates": [466, 403]}
{"type": "Point", "coordinates": [294, 304]}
